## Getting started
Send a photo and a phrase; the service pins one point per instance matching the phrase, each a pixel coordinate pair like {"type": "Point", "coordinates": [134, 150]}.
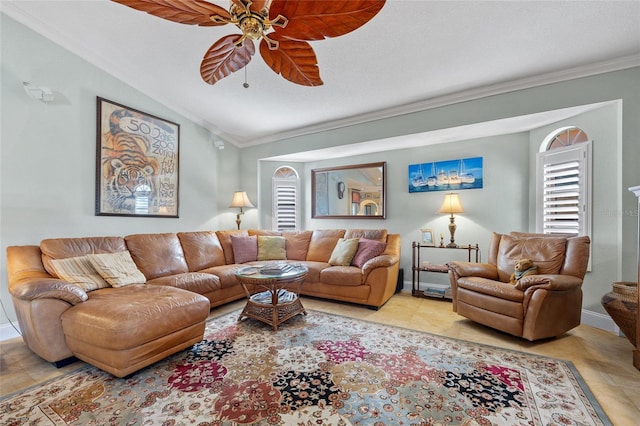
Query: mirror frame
{"type": "Point", "coordinates": [383, 197]}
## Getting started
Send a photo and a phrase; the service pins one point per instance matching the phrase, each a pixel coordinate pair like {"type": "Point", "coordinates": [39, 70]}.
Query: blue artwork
{"type": "Point", "coordinates": [446, 175]}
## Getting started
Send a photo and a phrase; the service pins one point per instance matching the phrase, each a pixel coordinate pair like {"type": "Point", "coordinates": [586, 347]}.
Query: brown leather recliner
{"type": "Point", "coordinates": [539, 306]}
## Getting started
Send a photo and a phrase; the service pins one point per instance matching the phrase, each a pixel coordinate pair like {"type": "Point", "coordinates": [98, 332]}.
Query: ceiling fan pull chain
{"type": "Point", "coordinates": [245, 84]}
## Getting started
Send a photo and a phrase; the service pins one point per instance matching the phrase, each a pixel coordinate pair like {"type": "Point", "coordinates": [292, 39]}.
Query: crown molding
{"type": "Point", "coordinates": [589, 70]}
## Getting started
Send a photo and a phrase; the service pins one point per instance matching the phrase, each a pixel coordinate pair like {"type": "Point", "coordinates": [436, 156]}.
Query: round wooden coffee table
{"type": "Point", "coordinates": [273, 303]}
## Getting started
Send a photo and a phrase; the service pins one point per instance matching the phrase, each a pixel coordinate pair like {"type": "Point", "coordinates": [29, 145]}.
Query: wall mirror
{"type": "Point", "coordinates": [356, 191]}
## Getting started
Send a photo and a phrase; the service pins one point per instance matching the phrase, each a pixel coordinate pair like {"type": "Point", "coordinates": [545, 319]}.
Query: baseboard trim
{"type": "Point", "coordinates": [8, 332]}
{"type": "Point", "coordinates": [599, 320]}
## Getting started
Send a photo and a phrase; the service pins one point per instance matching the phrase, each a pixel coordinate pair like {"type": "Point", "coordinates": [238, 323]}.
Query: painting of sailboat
{"type": "Point", "coordinates": [457, 174]}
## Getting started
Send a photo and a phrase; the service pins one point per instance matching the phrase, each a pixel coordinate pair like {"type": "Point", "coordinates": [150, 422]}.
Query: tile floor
{"type": "Point", "coordinates": [602, 359]}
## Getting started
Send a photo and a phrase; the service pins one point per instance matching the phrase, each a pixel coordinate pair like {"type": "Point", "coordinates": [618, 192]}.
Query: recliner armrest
{"type": "Point", "coordinates": [549, 282]}
{"type": "Point", "coordinates": [47, 288]}
{"type": "Point", "coordinates": [470, 269]}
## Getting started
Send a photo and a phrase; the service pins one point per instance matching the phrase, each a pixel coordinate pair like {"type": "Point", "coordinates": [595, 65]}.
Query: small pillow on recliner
{"type": "Point", "coordinates": [367, 250]}
{"type": "Point", "coordinates": [245, 248]}
{"type": "Point", "coordinates": [343, 252]}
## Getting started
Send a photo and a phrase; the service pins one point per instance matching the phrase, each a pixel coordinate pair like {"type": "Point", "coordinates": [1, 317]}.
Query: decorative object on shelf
{"type": "Point", "coordinates": [441, 240]}
{"type": "Point", "coordinates": [136, 163]}
{"type": "Point", "coordinates": [240, 200]}
{"type": "Point", "coordinates": [451, 205]}
{"type": "Point", "coordinates": [286, 50]}
{"type": "Point", "coordinates": [622, 305]}
{"type": "Point", "coordinates": [427, 237]}
{"type": "Point", "coordinates": [465, 173]}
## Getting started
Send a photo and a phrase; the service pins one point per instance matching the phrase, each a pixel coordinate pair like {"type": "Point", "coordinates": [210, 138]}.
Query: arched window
{"type": "Point", "coordinates": [286, 204]}
{"type": "Point", "coordinates": [563, 183]}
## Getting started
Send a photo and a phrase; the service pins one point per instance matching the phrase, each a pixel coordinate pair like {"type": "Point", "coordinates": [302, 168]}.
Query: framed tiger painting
{"type": "Point", "coordinates": [136, 163]}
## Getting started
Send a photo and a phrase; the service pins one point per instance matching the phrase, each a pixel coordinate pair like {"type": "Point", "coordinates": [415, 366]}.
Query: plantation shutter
{"type": "Point", "coordinates": [563, 190]}
{"type": "Point", "coordinates": [285, 215]}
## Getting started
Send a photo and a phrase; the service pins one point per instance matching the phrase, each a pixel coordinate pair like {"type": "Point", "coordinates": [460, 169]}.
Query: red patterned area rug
{"type": "Point", "coordinates": [318, 369]}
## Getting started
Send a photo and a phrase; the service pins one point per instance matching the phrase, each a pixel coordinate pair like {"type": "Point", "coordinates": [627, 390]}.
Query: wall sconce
{"type": "Point", "coordinates": [451, 205]}
{"type": "Point", "coordinates": [240, 200]}
{"type": "Point", "coordinates": [42, 93]}
{"type": "Point", "coordinates": [340, 190]}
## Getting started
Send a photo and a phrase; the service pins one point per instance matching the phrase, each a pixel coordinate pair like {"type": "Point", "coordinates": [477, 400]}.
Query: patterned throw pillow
{"type": "Point", "coordinates": [271, 247]}
{"type": "Point", "coordinates": [79, 271]}
{"type": "Point", "coordinates": [245, 248]}
{"type": "Point", "coordinates": [118, 269]}
{"type": "Point", "coordinates": [367, 250]}
{"type": "Point", "coordinates": [343, 252]}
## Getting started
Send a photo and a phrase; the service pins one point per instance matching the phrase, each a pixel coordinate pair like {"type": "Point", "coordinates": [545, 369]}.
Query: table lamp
{"type": "Point", "coordinates": [240, 200]}
{"type": "Point", "coordinates": [451, 205]}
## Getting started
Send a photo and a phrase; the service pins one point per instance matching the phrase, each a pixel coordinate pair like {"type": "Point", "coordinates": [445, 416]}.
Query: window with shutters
{"type": "Point", "coordinates": [286, 203]}
{"type": "Point", "coordinates": [563, 183]}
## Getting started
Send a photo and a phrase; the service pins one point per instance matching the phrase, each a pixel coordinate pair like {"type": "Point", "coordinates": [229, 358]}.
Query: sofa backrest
{"type": "Point", "coordinates": [551, 253]}
{"type": "Point", "coordinates": [64, 248]}
{"type": "Point", "coordinates": [322, 243]}
{"type": "Point", "coordinates": [225, 240]}
{"type": "Point", "coordinates": [202, 249]}
{"type": "Point", "coordinates": [157, 255]}
{"type": "Point", "coordinates": [297, 244]}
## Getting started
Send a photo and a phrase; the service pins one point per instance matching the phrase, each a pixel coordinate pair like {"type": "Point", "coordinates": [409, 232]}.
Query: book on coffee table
{"type": "Point", "coordinates": [276, 269]}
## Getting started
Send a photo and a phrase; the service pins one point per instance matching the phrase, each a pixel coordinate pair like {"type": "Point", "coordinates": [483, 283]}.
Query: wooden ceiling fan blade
{"type": "Point", "coordinates": [225, 57]}
{"type": "Point", "coordinates": [294, 60]}
{"type": "Point", "coordinates": [318, 19]}
{"type": "Point", "coordinates": [190, 12]}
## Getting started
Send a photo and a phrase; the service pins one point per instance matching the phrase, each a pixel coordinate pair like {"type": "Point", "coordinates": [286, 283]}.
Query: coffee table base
{"type": "Point", "coordinates": [271, 314]}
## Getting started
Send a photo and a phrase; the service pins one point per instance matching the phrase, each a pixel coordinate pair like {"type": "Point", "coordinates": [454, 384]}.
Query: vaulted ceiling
{"type": "Point", "coordinates": [412, 55]}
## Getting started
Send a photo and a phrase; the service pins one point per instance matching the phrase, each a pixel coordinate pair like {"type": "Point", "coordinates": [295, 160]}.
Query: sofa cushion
{"type": "Point", "coordinates": [343, 252]}
{"type": "Point", "coordinates": [322, 243]}
{"type": "Point", "coordinates": [225, 241]}
{"type": "Point", "coordinates": [546, 252]}
{"type": "Point", "coordinates": [271, 247]}
{"type": "Point", "coordinates": [297, 244]}
{"type": "Point", "coordinates": [245, 248]}
{"type": "Point", "coordinates": [118, 269]}
{"type": "Point", "coordinates": [370, 234]}
{"type": "Point", "coordinates": [198, 282]}
{"type": "Point", "coordinates": [157, 255]}
{"type": "Point", "coordinates": [79, 271]}
{"type": "Point", "coordinates": [367, 250]}
{"type": "Point", "coordinates": [202, 249]}
{"type": "Point", "coordinates": [346, 276]}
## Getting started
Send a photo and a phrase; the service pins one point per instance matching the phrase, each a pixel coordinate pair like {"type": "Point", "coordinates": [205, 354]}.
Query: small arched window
{"type": "Point", "coordinates": [563, 183]}
{"type": "Point", "coordinates": [286, 203]}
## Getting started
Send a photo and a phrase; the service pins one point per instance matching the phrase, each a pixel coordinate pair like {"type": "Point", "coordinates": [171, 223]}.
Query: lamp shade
{"type": "Point", "coordinates": [240, 200]}
{"type": "Point", "coordinates": [451, 204]}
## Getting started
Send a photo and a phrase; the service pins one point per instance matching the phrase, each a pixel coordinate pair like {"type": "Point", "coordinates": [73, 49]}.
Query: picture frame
{"type": "Point", "coordinates": [137, 162]}
{"type": "Point", "coordinates": [449, 175]}
{"type": "Point", "coordinates": [427, 237]}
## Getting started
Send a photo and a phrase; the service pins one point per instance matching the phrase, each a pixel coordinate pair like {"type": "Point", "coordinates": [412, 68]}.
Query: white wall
{"type": "Point", "coordinates": [48, 153]}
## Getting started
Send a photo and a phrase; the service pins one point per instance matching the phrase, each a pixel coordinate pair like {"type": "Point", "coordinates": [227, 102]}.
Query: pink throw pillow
{"type": "Point", "coordinates": [367, 250]}
{"type": "Point", "coordinates": [245, 248]}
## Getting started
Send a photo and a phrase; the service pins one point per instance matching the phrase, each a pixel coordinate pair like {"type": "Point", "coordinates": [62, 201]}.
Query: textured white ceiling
{"type": "Point", "coordinates": [412, 54]}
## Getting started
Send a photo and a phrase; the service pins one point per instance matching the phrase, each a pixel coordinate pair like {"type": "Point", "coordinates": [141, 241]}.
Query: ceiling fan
{"type": "Point", "coordinates": [285, 49]}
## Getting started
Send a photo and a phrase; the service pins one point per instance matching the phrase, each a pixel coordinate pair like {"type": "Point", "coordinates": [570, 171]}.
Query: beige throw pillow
{"type": "Point", "coordinates": [271, 247]}
{"type": "Point", "coordinates": [79, 271]}
{"type": "Point", "coordinates": [118, 269]}
{"type": "Point", "coordinates": [344, 251]}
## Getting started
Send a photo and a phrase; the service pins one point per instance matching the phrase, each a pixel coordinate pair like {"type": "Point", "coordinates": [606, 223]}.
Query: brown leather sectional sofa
{"type": "Point", "coordinates": [122, 329]}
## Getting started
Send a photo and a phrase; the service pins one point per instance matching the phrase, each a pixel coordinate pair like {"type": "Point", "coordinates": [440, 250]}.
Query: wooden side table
{"type": "Point", "coordinates": [275, 304]}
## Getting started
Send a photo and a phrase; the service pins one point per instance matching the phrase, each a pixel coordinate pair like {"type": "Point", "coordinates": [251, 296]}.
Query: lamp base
{"type": "Point", "coordinates": [452, 245]}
